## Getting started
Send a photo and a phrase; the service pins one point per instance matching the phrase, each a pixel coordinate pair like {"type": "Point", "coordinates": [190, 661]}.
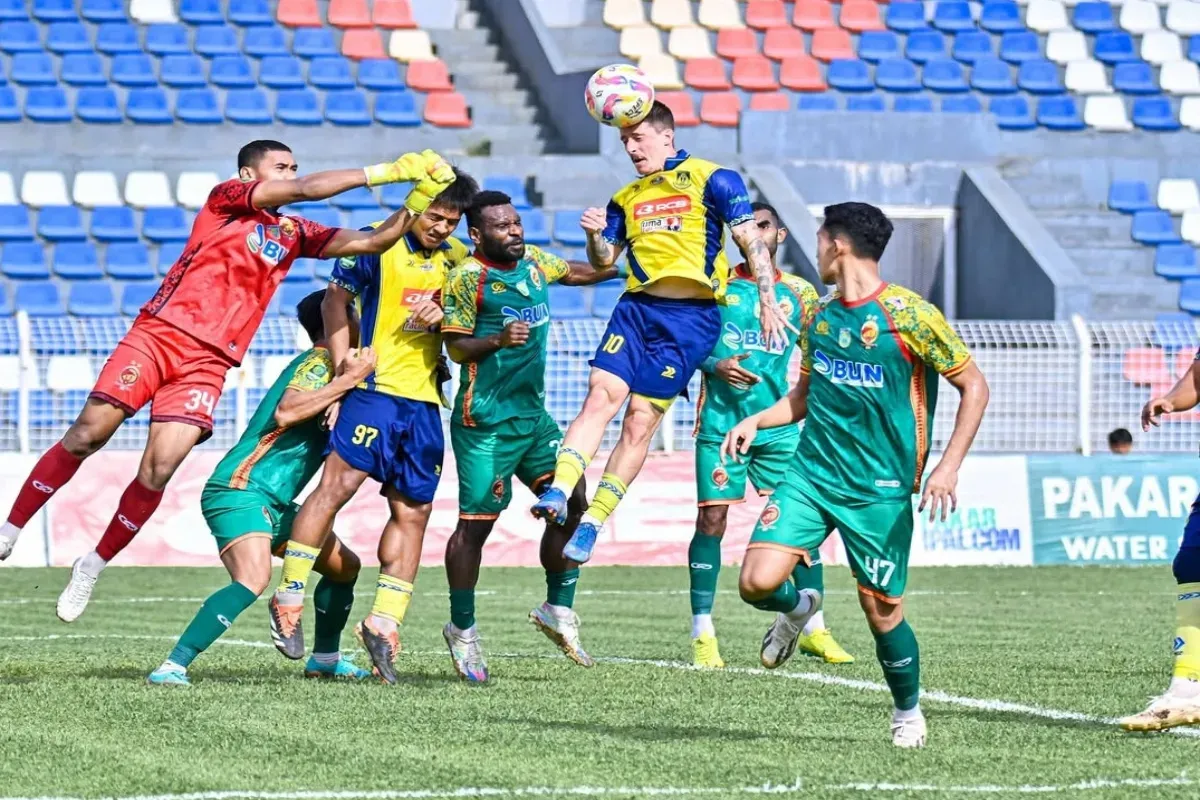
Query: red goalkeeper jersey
{"type": "Point", "coordinates": [235, 258]}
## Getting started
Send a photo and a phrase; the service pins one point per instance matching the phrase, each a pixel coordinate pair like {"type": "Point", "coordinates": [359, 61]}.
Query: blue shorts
{"type": "Point", "coordinates": [395, 440]}
{"type": "Point", "coordinates": [654, 344]}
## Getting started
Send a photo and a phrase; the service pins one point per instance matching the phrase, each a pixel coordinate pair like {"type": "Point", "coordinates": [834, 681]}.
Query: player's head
{"type": "Point", "coordinates": [441, 218]}
{"type": "Point", "coordinates": [652, 141]}
{"type": "Point", "coordinates": [850, 232]}
{"type": "Point", "coordinates": [266, 159]}
{"type": "Point", "coordinates": [1120, 442]}
{"type": "Point", "coordinates": [495, 227]}
{"type": "Point", "coordinates": [766, 218]}
{"type": "Point", "coordinates": [308, 312]}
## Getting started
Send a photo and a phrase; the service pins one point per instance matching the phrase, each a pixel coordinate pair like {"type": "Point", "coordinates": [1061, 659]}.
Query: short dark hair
{"type": "Point", "coordinates": [485, 199]}
{"type": "Point", "coordinates": [867, 228]}
{"type": "Point", "coordinates": [459, 194]}
{"type": "Point", "coordinates": [661, 116]}
{"type": "Point", "coordinates": [760, 206]}
{"type": "Point", "coordinates": [252, 153]}
{"type": "Point", "coordinates": [308, 312]}
{"type": "Point", "coordinates": [1119, 436]}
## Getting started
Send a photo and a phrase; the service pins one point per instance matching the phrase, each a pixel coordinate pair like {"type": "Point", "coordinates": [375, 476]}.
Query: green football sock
{"type": "Point", "coordinates": [704, 565]}
{"type": "Point", "coordinates": [332, 601]}
{"type": "Point", "coordinates": [560, 587]}
{"type": "Point", "coordinates": [214, 618]}
{"type": "Point", "coordinates": [809, 577]}
{"type": "Point", "coordinates": [462, 608]}
{"type": "Point", "coordinates": [900, 658]}
{"type": "Point", "coordinates": [784, 599]}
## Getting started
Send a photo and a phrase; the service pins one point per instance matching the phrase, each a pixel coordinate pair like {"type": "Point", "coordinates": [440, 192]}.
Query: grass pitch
{"type": "Point", "coordinates": [1023, 668]}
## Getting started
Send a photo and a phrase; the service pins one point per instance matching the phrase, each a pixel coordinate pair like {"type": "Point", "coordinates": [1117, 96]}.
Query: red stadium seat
{"type": "Point", "coordinates": [429, 76]}
{"type": "Point", "coordinates": [447, 110]}
{"type": "Point", "coordinates": [781, 43]}
{"type": "Point", "coordinates": [1145, 365]}
{"type": "Point", "coordinates": [801, 74]}
{"type": "Point", "coordinates": [349, 14]}
{"type": "Point", "coordinates": [766, 14]}
{"type": "Point", "coordinates": [299, 14]}
{"type": "Point", "coordinates": [682, 106]}
{"type": "Point", "coordinates": [720, 109]}
{"type": "Point", "coordinates": [832, 43]}
{"type": "Point", "coordinates": [754, 74]}
{"type": "Point", "coordinates": [861, 15]}
{"type": "Point", "coordinates": [770, 101]}
{"type": "Point", "coordinates": [706, 73]}
{"type": "Point", "coordinates": [361, 43]}
{"type": "Point", "coordinates": [736, 42]}
{"type": "Point", "coordinates": [393, 14]}
{"type": "Point", "coordinates": [813, 15]}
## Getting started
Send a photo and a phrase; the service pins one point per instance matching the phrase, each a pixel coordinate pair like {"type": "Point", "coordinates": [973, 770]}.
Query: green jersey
{"type": "Point", "coordinates": [482, 297]}
{"type": "Point", "coordinates": [279, 462]}
{"type": "Point", "coordinates": [873, 370]}
{"type": "Point", "coordinates": [722, 406]}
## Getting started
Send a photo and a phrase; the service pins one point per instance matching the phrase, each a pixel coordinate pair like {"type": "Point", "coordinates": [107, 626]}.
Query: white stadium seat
{"type": "Point", "coordinates": [1180, 77]}
{"type": "Point", "coordinates": [94, 189]}
{"type": "Point", "coordinates": [192, 188]}
{"type": "Point", "coordinates": [10, 373]}
{"type": "Point", "coordinates": [1087, 77]}
{"type": "Point", "coordinates": [1189, 113]}
{"type": "Point", "coordinates": [689, 42]}
{"type": "Point", "coordinates": [1106, 112]}
{"type": "Point", "coordinates": [1160, 47]}
{"type": "Point", "coordinates": [1190, 229]}
{"type": "Point", "coordinates": [640, 40]}
{"type": "Point", "coordinates": [151, 11]}
{"type": "Point", "coordinates": [1177, 195]}
{"type": "Point", "coordinates": [148, 189]}
{"type": "Point", "coordinates": [412, 45]}
{"type": "Point", "coordinates": [1044, 16]}
{"type": "Point", "coordinates": [1139, 16]}
{"type": "Point", "coordinates": [44, 188]}
{"type": "Point", "coordinates": [273, 367]}
{"type": "Point", "coordinates": [1063, 47]}
{"type": "Point", "coordinates": [669, 14]}
{"type": "Point", "coordinates": [1183, 16]}
{"type": "Point", "coordinates": [623, 13]}
{"type": "Point", "coordinates": [69, 372]}
{"type": "Point", "coordinates": [243, 376]}
{"type": "Point", "coordinates": [8, 192]}
{"type": "Point", "coordinates": [718, 14]}
{"type": "Point", "coordinates": [662, 70]}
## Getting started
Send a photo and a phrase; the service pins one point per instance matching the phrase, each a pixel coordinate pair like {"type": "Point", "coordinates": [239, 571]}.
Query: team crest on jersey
{"type": "Point", "coordinates": [785, 305]}
{"type": "Point", "coordinates": [720, 478]}
{"type": "Point", "coordinates": [498, 490]}
{"type": "Point", "coordinates": [288, 226]}
{"type": "Point", "coordinates": [869, 334]}
{"type": "Point", "coordinates": [822, 328]}
{"type": "Point", "coordinates": [733, 300]}
{"type": "Point", "coordinates": [523, 288]}
{"type": "Point", "coordinates": [844, 337]}
{"type": "Point", "coordinates": [657, 180]}
{"type": "Point", "coordinates": [129, 376]}
{"type": "Point", "coordinates": [681, 179]}
{"type": "Point", "coordinates": [259, 242]}
{"type": "Point", "coordinates": [769, 516]}
{"type": "Point", "coordinates": [535, 277]}
{"type": "Point", "coordinates": [498, 287]}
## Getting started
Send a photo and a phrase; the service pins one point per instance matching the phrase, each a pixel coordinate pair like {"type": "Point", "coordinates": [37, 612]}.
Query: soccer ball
{"type": "Point", "coordinates": [619, 95]}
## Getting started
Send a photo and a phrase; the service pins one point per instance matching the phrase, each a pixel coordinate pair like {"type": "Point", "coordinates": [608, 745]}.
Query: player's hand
{"type": "Point", "coordinates": [514, 334]}
{"type": "Point", "coordinates": [737, 441]}
{"type": "Point", "coordinates": [437, 168]}
{"type": "Point", "coordinates": [732, 372]}
{"type": "Point", "coordinates": [939, 492]}
{"type": "Point", "coordinates": [427, 314]}
{"type": "Point", "coordinates": [358, 364]}
{"type": "Point", "coordinates": [331, 415]}
{"type": "Point", "coordinates": [774, 322]}
{"type": "Point", "coordinates": [594, 220]}
{"type": "Point", "coordinates": [1152, 412]}
{"type": "Point", "coordinates": [405, 169]}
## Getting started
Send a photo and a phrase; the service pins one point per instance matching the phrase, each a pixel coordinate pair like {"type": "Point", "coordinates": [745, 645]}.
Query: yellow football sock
{"type": "Point", "coordinates": [1187, 632]}
{"type": "Point", "coordinates": [392, 597]}
{"type": "Point", "coordinates": [568, 469]}
{"type": "Point", "coordinates": [298, 562]}
{"type": "Point", "coordinates": [609, 493]}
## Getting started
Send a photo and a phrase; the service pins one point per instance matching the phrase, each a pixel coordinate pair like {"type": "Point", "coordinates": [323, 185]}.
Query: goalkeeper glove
{"type": "Point", "coordinates": [408, 168]}
{"type": "Point", "coordinates": [439, 175]}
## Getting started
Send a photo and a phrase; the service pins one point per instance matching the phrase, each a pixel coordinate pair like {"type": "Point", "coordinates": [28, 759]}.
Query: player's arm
{"type": "Point", "coordinates": [465, 348]}
{"type": "Point", "coordinates": [788, 410]}
{"type": "Point", "coordinates": [310, 391]}
{"type": "Point", "coordinates": [335, 316]}
{"type": "Point", "coordinates": [360, 243]}
{"type": "Point", "coordinates": [460, 303]}
{"type": "Point", "coordinates": [581, 274]}
{"type": "Point", "coordinates": [606, 236]}
{"type": "Point", "coordinates": [409, 168]}
{"type": "Point", "coordinates": [1183, 397]}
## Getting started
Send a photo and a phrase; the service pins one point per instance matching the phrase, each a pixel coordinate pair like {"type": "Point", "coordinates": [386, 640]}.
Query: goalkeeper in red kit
{"type": "Point", "coordinates": [198, 326]}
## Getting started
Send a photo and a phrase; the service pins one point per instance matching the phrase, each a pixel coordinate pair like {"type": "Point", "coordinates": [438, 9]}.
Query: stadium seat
{"type": "Point", "coordinates": [1087, 77]}
{"type": "Point", "coordinates": [1063, 47]}
{"type": "Point", "coordinates": [332, 72]}
{"type": "Point", "coordinates": [83, 69]}
{"type": "Point", "coordinates": [1106, 113]}
{"type": "Point", "coordinates": [53, 10]}
{"type": "Point", "coordinates": [360, 43]}
{"type": "Point", "coordinates": [1114, 47]}
{"type": "Point", "coordinates": [8, 192]}
{"type": "Point", "coordinates": [736, 42]}
{"type": "Point", "coordinates": [91, 299]}
{"type": "Point", "coordinates": [201, 12]}
{"type": "Point", "coordinates": [429, 76]}
{"type": "Point", "coordinates": [1161, 47]}
{"type": "Point", "coordinates": [688, 43]}
{"type": "Point", "coordinates": [753, 74]}
{"type": "Point", "coordinates": [620, 14]}
{"type": "Point", "coordinates": [41, 188]}
{"type": "Point", "coordinates": [720, 109]}
{"type": "Point", "coordinates": [152, 11]}
{"type": "Point", "coordinates": [682, 107]}
{"type": "Point", "coordinates": [290, 295]}
{"type": "Point", "coordinates": [800, 74]}
{"type": "Point", "coordinates": [1189, 113]}
{"type": "Point", "coordinates": [103, 10]}
{"type": "Point", "coordinates": [953, 16]}
{"type": "Point", "coordinates": [13, 10]}
{"type": "Point", "coordinates": [361, 197]}
{"type": "Point", "coordinates": [263, 42]}
{"type": "Point", "coordinates": [165, 224]}
{"type": "Point", "coordinates": [97, 105]}
{"type": "Point", "coordinates": [72, 374]}
{"type": "Point", "coordinates": [832, 44]}
{"type": "Point", "coordinates": [1001, 16]}
{"type": "Point", "coordinates": [1059, 113]}
{"type": "Point", "coordinates": [1139, 16]}
{"type": "Point", "coordinates": [944, 75]}
{"type": "Point", "coordinates": [1093, 17]}
{"type": "Point", "coordinates": [133, 70]}
{"type": "Point", "coordinates": [873, 103]}
{"type": "Point", "coordinates": [231, 72]}
{"type": "Point", "coordinates": [1012, 113]}
{"type": "Point", "coordinates": [95, 188]}
{"type": "Point", "coordinates": [349, 14]}
{"type": "Point", "coordinates": [167, 40]}
{"type": "Point", "coordinates": [567, 302]}
{"type": "Point", "coordinates": [1018, 46]}
{"type": "Point", "coordinates": [905, 16]}
{"type": "Point", "coordinates": [638, 40]}
{"type": "Point", "coordinates": [39, 299]}
{"type": "Point", "coordinates": [68, 37]}
{"type": "Point", "coordinates": [115, 38]}
{"type": "Point", "coordinates": [128, 261]}
{"type": "Point", "coordinates": [962, 104]}
{"type": "Point", "coordinates": [861, 16]}
{"type": "Point", "coordinates": [812, 15]}
{"type": "Point", "coordinates": [1177, 195]}
{"type": "Point", "coordinates": [183, 72]}
{"type": "Point", "coordinates": [14, 223]}
{"type": "Point", "coordinates": [313, 43]}
{"type": "Point", "coordinates": [877, 45]}
{"type": "Point", "coordinates": [20, 37]}
{"type": "Point", "coordinates": [661, 69]}
{"type": "Point", "coordinates": [46, 104]}
{"type": "Point", "coordinates": [849, 75]}
{"type": "Point", "coordinates": [1044, 16]}
{"type": "Point", "coordinates": [1153, 227]}
{"type": "Point", "coordinates": [782, 43]}
{"type": "Point", "coordinates": [168, 254]}
{"type": "Point", "coordinates": [299, 14]}
{"type": "Point", "coordinates": [414, 45]}
{"type": "Point", "coordinates": [393, 14]}
{"type": "Point", "coordinates": [303, 269]}
{"type": "Point", "coordinates": [511, 185]}
{"type": "Point", "coordinates": [897, 75]}
{"type": "Point", "coordinates": [604, 299]}
{"type": "Point", "coordinates": [924, 45]}
{"type": "Point", "coordinates": [1189, 228]}
{"type": "Point", "coordinates": [1129, 197]}
{"type": "Point", "coordinates": [297, 107]}
{"type": "Point", "coordinates": [281, 72]}
{"type": "Point", "coordinates": [247, 107]}
{"type": "Point", "coordinates": [1154, 114]}
{"type": "Point", "coordinates": [1134, 77]}
{"type": "Point", "coordinates": [398, 109]}
{"type": "Point", "coordinates": [1194, 48]}
{"type": "Point", "coordinates": [136, 295]}
{"type": "Point", "coordinates": [775, 101]}
{"type": "Point", "coordinates": [147, 188]}
{"type": "Point", "coordinates": [197, 107]}
{"type": "Point", "coordinates": [1176, 262]}
{"type": "Point", "coordinates": [23, 261]}
{"type": "Point", "coordinates": [913, 103]}
{"type": "Point", "coordinates": [1183, 16]}
{"type": "Point", "coordinates": [380, 75]}
{"type": "Point", "coordinates": [719, 15]}
{"type": "Point", "coordinates": [1039, 77]}
{"type": "Point", "coordinates": [113, 224]}
{"type": "Point", "coordinates": [60, 224]}
{"type": "Point", "coordinates": [216, 40]}
{"type": "Point", "coordinates": [760, 14]}
{"type": "Point", "coordinates": [566, 228]}
{"type": "Point", "coordinates": [1180, 77]}
{"type": "Point", "coordinates": [447, 110]}
{"type": "Point", "coordinates": [817, 102]}
{"type": "Point", "coordinates": [971, 46]}
{"type": "Point", "coordinates": [33, 69]}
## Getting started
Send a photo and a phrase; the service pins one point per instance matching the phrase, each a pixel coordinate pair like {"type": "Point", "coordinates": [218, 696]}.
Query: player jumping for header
{"type": "Point", "coordinates": [672, 220]}
{"type": "Point", "coordinates": [871, 356]}
{"type": "Point", "coordinates": [198, 326]}
{"type": "Point", "coordinates": [742, 377]}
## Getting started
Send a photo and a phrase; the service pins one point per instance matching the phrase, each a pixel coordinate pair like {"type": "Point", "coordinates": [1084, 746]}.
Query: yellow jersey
{"type": "Point", "coordinates": [386, 287]}
{"type": "Point", "coordinates": [673, 222]}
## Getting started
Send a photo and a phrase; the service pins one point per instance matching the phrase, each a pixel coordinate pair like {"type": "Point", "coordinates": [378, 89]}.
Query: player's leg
{"type": "Point", "coordinates": [718, 486]}
{"type": "Point", "coordinates": [464, 553]}
{"type": "Point", "coordinates": [333, 598]}
{"type": "Point", "coordinates": [556, 617]}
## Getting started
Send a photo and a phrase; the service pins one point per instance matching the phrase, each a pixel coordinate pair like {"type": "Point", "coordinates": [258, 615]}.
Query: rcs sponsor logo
{"type": "Point", "coordinates": [666, 207]}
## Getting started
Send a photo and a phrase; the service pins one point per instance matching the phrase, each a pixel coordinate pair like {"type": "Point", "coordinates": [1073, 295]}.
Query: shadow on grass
{"type": "Point", "coordinates": [650, 733]}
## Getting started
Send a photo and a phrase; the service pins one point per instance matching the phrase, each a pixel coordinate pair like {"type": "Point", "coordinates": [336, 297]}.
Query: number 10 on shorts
{"type": "Point", "coordinates": [880, 571]}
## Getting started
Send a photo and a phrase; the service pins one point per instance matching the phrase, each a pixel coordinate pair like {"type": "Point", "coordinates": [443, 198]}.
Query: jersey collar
{"type": "Point", "coordinates": [675, 161]}
{"type": "Point", "coordinates": [743, 271]}
{"type": "Point", "coordinates": [487, 262]}
{"type": "Point", "coordinates": [415, 246]}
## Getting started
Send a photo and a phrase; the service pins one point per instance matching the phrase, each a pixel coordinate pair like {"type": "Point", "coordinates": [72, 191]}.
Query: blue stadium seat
{"type": "Point", "coordinates": [232, 72]}
{"type": "Point", "coordinates": [962, 104]}
{"type": "Point", "coordinates": [897, 75]}
{"type": "Point", "coordinates": [20, 37]}
{"type": "Point", "coordinates": [1193, 52]}
{"type": "Point", "coordinates": [167, 39]}
{"type": "Point", "coordinates": [115, 38]}
{"type": "Point", "coordinates": [97, 105]}
{"type": "Point", "coordinates": [1114, 47]}
{"type": "Point", "coordinates": [1154, 114]}
{"type": "Point", "coordinates": [68, 37]}
{"type": "Point", "coordinates": [1012, 113]}
{"type": "Point", "coordinates": [568, 302]}
{"type": "Point", "coordinates": [944, 75]}
{"type": "Point", "coordinates": [1134, 77]}
{"type": "Point", "coordinates": [103, 10]}
{"type": "Point", "coordinates": [1176, 261]}
{"type": "Point", "coordinates": [866, 102]}
{"type": "Point", "coordinates": [6, 310]}
{"type": "Point", "coordinates": [165, 224]}
{"type": "Point", "coordinates": [330, 72]}
{"type": "Point", "coordinates": [1153, 227]}
{"type": "Point", "coordinates": [362, 197]}
{"type": "Point", "coordinates": [1001, 16]}
{"type": "Point", "coordinates": [247, 107]}
{"type": "Point", "coordinates": [61, 223]}
{"type": "Point", "coordinates": [128, 261]}
{"type": "Point", "coordinates": [536, 230]}
{"type": "Point", "coordinates": [379, 75]}
{"type": "Point", "coordinates": [910, 103]}
{"type": "Point", "coordinates": [1039, 77]}
{"type": "Point", "coordinates": [133, 69]}
{"type": "Point", "coordinates": [24, 261]}
{"type": "Point", "coordinates": [605, 297]}
{"type": "Point", "coordinates": [9, 112]}
{"type": "Point", "coordinates": [13, 9]}
{"type": "Point", "coordinates": [398, 109]}
{"type": "Point", "coordinates": [113, 224]}
{"type": "Point", "coordinates": [201, 12]}
{"type": "Point", "coordinates": [924, 45]}
{"type": "Point", "coordinates": [314, 42]}
{"type": "Point", "coordinates": [14, 224]}
{"type": "Point", "coordinates": [53, 10]}
{"type": "Point", "coordinates": [83, 69]}
{"type": "Point", "coordinates": [365, 217]}
{"type": "Point", "coordinates": [1189, 296]}
{"type": "Point", "coordinates": [391, 195]}
{"type": "Point", "coordinates": [47, 104]}
{"type": "Point", "coordinates": [1059, 113]}
{"type": "Point", "coordinates": [953, 16]}
{"type": "Point", "coordinates": [33, 69]}
{"type": "Point", "coordinates": [906, 16]}
{"type": "Point", "coordinates": [1175, 331]}
{"type": "Point", "coordinates": [168, 254]}
{"type": "Point", "coordinates": [303, 268]}
{"type": "Point", "coordinates": [511, 185]}
{"type": "Point", "coordinates": [1130, 196]}
{"type": "Point", "coordinates": [1092, 17]}
{"type": "Point", "coordinates": [817, 102]}
{"type": "Point", "coordinates": [971, 46]}
{"type": "Point", "coordinates": [347, 107]}
{"type": "Point", "coordinates": [183, 72]}
{"type": "Point", "coordinates": [250, 12]}
{"type": "Point", "coordinates": [91, 299]}
{"type": "Point", "coordinates": [298, 107]}
{"type": "Point", "coordinates": [290, 294]}
{"type": "Point", "coordinates": [993, 76]}
{"type": "Point", "coordinates": [263, 42]}
{"type": "Point", "coordinates": [460, 233]}
{"type": "Point", "coordinates": [567, 230]}
{"type": "Point", "coordinates": [849, 75]}
{"type": "Point", "coordinates": [878, 45]}
{"type": "Point", "coordinates": [217, 40]}
{"type": "Point", "coordinates": [39, 299]}
{"type": "Point", "coordinates": [281, 72]}
{"type": "Point", "coordinates": [1018, 46]}
{"type": "Point", "coordinates": [148, 107]}
{"type": "Point", "coordinates": [324, 269]}
{"type": "Point", "coordinates": [197, 107]}
{"type": "Point", "coordinates": [136, 295]}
